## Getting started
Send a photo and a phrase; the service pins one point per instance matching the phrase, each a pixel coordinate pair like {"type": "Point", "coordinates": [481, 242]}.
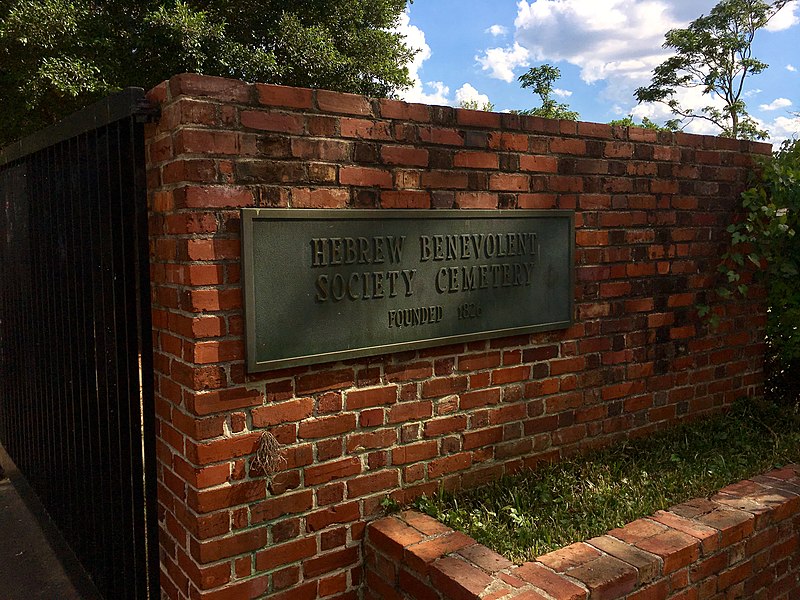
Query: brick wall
{"type": "Point", "coordinates": [740, 543]}
{"type": "Point", "coordinates": [650, 215]}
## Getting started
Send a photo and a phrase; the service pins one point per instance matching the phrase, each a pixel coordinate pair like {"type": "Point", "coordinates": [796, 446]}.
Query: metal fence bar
{"type": "Point", "coordinates": [76, 341]}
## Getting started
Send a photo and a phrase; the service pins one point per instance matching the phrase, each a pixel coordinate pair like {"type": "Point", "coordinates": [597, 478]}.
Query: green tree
{"type": "Point", "coordinates": [59, 55]}
{"type": "Point", "coordinates": [645, 124]}
{"type": "Point", "coordinates": [767, 242]}
{"type": "Point", "coordinates": [475, 105]}
{"type": "Point", "coordinates": [714, 54]}
{"type": "Point", "coordinates": [541, 79]}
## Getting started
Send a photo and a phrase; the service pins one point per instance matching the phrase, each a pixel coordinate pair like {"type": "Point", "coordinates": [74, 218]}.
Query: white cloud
{"type": "Point", "coordinates": [610, 40]}
{"type": "Point", "coordinates": [776, 104]}
{"type": "Point", "coordinates": [562, 93]}
{"type": "Point", "coordinates": [497, 30]}
{"type": "Point", "coordinates": [431, 92]}
{"type": "Point", "coordinates": [467, 93]}
{"type": "Point", "coordinates": [501, 62]}
{"type": "Point", "coordinates": [753, 92]}
{"type": "Point", "coordinates": [785, 18]}
{"type": "Point", "coordinates": [783, 128]}
{"type": "Point", "coordinates": [791, 68]}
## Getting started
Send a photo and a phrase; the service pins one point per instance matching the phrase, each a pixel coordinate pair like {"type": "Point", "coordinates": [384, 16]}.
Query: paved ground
{"type": "Point", "coordinates": [34, 562]}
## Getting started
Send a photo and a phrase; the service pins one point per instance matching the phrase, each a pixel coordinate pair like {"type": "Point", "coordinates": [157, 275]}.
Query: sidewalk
{"type": "Point", "coordinates": [34, 562]}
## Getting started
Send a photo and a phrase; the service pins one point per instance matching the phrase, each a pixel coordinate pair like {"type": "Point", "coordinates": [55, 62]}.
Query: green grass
{"type": "Point", "coordinates": [538, 511]}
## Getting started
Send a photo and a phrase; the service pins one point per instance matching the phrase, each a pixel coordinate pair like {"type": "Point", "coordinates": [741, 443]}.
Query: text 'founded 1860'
{"type": "Point", "coordinates": [329, 285]}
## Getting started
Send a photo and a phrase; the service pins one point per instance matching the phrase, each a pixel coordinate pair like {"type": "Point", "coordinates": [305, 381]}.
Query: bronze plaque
{"type": "Point", "coordinates": [326, 285]}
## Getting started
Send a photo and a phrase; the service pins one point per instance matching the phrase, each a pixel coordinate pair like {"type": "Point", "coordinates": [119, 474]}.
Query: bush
{"type": "Point", "coordinates": [769, 238]}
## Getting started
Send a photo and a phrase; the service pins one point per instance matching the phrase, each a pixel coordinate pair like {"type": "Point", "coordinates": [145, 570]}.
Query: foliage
{"type": "Point", "coordinates": [714, 54]}
{"type": "Point", "coordinates": [59, 55]}
{"type": "Point", "coordinates": [475, 105]}
{"type": "Point", "coordinates": [645, 124]}
{"type": "Point", "coordinates": [541, 79]}
{"type": "Point", "coordinates": [767, 240]}
{"type": "Point", "coordinates": [539, 511]}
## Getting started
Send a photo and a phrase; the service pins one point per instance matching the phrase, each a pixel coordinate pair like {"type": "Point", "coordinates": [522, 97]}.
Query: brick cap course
{"type": "Point", "coordinates": [691, 535]}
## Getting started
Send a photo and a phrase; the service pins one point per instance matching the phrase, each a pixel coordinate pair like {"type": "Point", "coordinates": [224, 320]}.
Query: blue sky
{"type": "Point", "coordinates": [476, 49]}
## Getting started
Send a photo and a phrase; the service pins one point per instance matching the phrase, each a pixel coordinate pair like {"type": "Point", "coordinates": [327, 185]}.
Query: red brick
{"type": "Point", "coordinates": [211, 551]}
{"type": "Point", "coordinates": [331, 561]}
{"type": "Point", "coordinates": [478, 118]}
{"type": "Point", "coordinates": [365, 398]}
{"type": "Point", "coordinates": [509, 182]}
{"type": "Point", "coordinates": [476, 160]}
{"type": "Point", "coordinates": [404, 155]}
{"type": "Point", "coordinates": [326, 380]}
{"type": "Point", "coordinates": [375, 482]}
{"type": "Point", "coordinates": [283, 412]}
{"type": "Point", "coordinates": [443, 386]}
{"type": "Point", "coordinates": [273, 508]}
{"type": "Point", "coordinates": [365, 177]}
{"type": "Point", "coordinates": [551, 583]}
{"type": "Point", "coordinates": [405, 199]}
{"type": "Point", "coordinates": [320, 198]}
{"type": "Point", "coordinates": [329, 426]}
{"type": "Point", "coordinates": [458, 579]}
{"type": "Point", "coordinates": [284, 554]}
{"type": "Point", "coordinates": [449, 464]}
{"type": "Point", "coordinates": [706, 535]}
{"type": "Point", "coordinates": [570, 557]}
{"type": "Point", "coordinates": [419, 556]}
{"type": "Point", "coordinates": [365, 129]}
{"type": "Point", "coordinates": [606, 577]}
{"type": "Point", "coordinates": [414, 452]}
{"type": "Point", "coordinates": [224, 449]}
{"type": "Point", "coordinates": [390, 535]}
{"type": "Point", "coordinates": [567, 146]}
{"type": "Point", "coordinates": [337, 102]}
{"type": "Point", "coordinates": [340, 513]}
{"type": "Point", "coordinates": [288, 97]}
{"type": "Point", "coordinates": [476, 200]}
{"type": "Point", "coordinates": [219, 88]}
{"type": "Point", "coordinates": [202, 141]}
{"type": "Point", "coordinates": [675, 548]}
{"type": "Point", "coordinates": [329, 471]}
{"type": "Point", "coordinates": [538, 164]}
{"type": "Point", "coordinates": [395, 109]}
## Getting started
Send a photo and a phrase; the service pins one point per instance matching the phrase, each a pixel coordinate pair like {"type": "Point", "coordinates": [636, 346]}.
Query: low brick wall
{"type": "Point", "coordinates": [650, 216]}
{"type": "Point", "coordinates": [742, 543]}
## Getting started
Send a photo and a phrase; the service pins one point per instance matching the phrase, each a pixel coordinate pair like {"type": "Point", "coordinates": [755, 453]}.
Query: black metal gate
{"type": "Point", "coordinates": [76, 397]}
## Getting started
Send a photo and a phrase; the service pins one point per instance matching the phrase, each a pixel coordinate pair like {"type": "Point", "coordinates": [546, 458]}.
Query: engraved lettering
{"type": "Point", "coordinates": [392, 277]}
{"type": "Point", "coordinates": [414, 317]}
{"type": "Point", "coordinates": [484, 276]}
{"type": "Point", "coordinates": [441, 276]}
{"type": "Point", "coordinates": [322, 288]}
{"type": "Point", "coordinates": [424, 248]}
{"type": "Point", "coordinates": [470, 277]}
{"type": "Point", "coordinates": [363, 251]}
{"type": "Point", "coordinates": [377, 285]}
{"type": "Point", "coordinates": [318, 252]}
{"type": "Point", "coordinates": [337, 287]}
{"type": "Point", "coordinates": [336, 251]}
{"type": "Point", "coordinates": [438, 247]}
{"type": "Point", "coordinates": [506, 274]}
{"type": "Point", "coordinates": [350, 254]}
{"type": "Point", "coordinates": [453, 280]}
{"type": "Point", "coordinates": [408, 276]}
{"type": "Point", "coordinates": [465, 253]}
{"type": "Point", "coordinates": [351, 284]}
{"type": "Point", "coordinates": [396, 248]}
{"type": "Point", "coordinates": [477, 243]}
{"type": "Point", "coordinates": [377, 250]}
{"type": "Point", "coordinates": [452, 247]}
